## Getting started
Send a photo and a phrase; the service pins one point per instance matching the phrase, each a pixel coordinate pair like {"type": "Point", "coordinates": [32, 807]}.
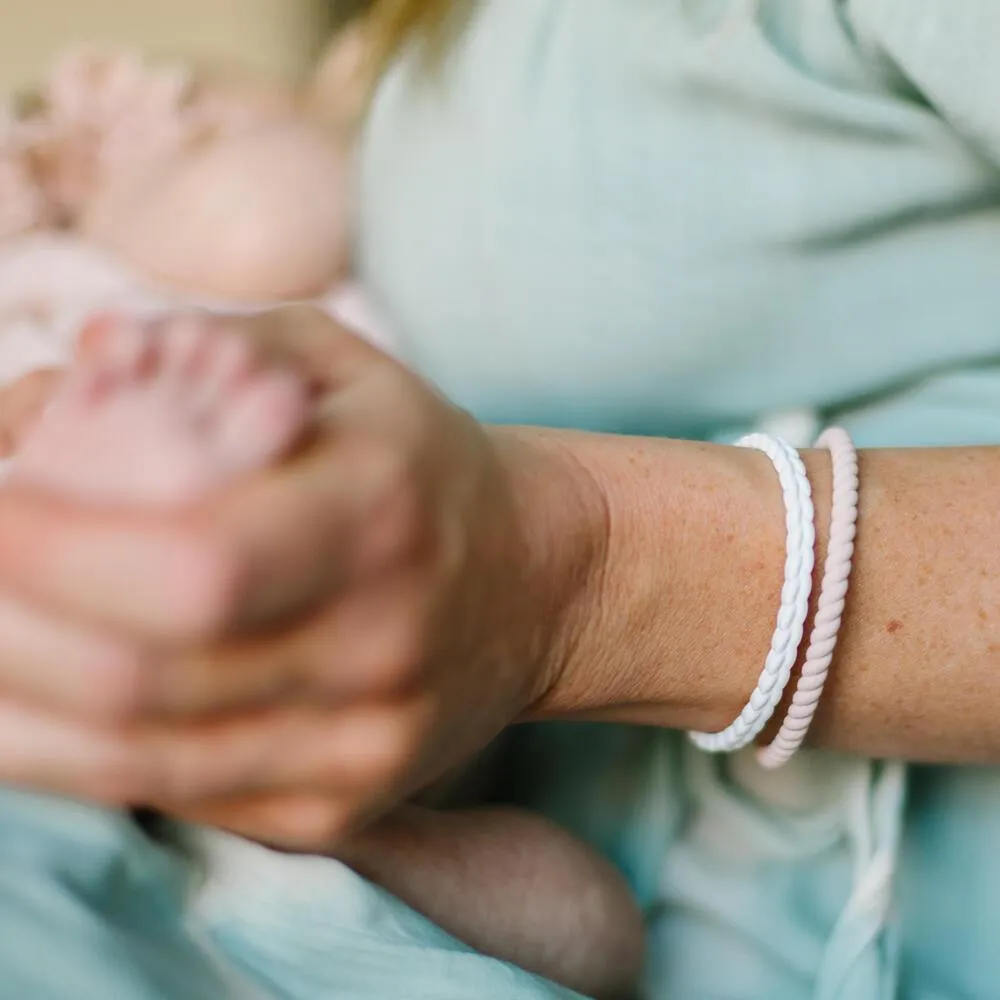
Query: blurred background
{"type": "Point", "coordinates": [277, 39]}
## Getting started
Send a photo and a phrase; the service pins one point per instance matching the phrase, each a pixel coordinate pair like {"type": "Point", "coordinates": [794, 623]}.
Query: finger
{"type": "Point", "coordinates": [367, 646]}
{"type": "Point", "coordinates": [66, 669]}
{"type": "Point", "coordinates": [340, 510]}
{"type": "Point", "coordinates": [240, 674]}
{"type": "Point", "coordinates": [48, 753]}
{"type": "Point", "coordinates": [361, 752]}
{"type": "Point", "coordinates": [303, 336]}
{"type": "Point", "coordinates": [309, 823]}
{"type": "Point", "coordinates": [276, 547]}
{"type": "Point", "coordinates": [159, 578]}
{"type": "Point", "coordinates": [310, 340]}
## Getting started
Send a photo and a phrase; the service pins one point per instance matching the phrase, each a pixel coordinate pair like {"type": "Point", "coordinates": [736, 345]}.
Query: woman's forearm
{"type": "Point", "coordinates": [675, 623]}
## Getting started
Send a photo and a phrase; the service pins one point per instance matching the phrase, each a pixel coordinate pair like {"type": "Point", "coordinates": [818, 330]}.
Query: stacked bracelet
{"type": "Point", "coordinates": [795, 594]}
{"type": "Point", "coordinates": [830, 608]}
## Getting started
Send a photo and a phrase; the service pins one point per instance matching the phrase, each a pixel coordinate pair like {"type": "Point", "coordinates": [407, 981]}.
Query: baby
{"type": "Point", "coordinates": [216, 189]}
{"type": "Point", "coordinates": [161, 413]}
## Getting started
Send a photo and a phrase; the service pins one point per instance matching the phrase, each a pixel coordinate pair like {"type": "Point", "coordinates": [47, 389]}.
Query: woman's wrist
{"type": "Point", "coordinates": [563, 526]}
{"type": "Point", "coordinates": [679, 554]}
{"type": "Point", "coordinates": [684, 548]}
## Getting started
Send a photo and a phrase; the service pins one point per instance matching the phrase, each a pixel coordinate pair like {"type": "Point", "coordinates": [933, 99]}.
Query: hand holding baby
{"type": "Point", "coordinates": [308, 646]}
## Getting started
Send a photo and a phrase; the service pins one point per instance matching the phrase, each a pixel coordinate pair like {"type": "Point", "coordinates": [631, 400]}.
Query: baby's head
{"type": "Point", "coordinates": [256, 215]}
{"type": "Point", "coordinates": [242, 198]}
{"type": "Point", "coordinates": [222, 189]}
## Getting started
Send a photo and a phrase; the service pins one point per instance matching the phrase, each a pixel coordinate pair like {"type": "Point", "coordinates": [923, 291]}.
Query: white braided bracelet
{"type": "Point", "coordinates": [830, 607]}
{"type": "Point", "coordinates": [799, 561]}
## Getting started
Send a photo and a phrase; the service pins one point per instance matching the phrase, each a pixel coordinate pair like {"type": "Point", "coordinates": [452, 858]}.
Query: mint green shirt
{"type": "Point", "coordinates": [678, 217]}
{"type": "Point", "coordinates": [674, 216]}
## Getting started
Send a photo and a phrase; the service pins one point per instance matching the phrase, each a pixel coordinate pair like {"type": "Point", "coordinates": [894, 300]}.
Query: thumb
{"type": "Point", "coordinates": [311, 341]}
{"type": "Point", "coordinates": [302, 337]}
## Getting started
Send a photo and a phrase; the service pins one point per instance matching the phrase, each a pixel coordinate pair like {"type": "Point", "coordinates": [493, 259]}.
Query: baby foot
{"type": "Point", "coordinates": [161, 413]}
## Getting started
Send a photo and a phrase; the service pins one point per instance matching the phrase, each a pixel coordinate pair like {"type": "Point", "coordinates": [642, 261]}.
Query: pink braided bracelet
{"type": "Point", "coordinates": [830, 608]}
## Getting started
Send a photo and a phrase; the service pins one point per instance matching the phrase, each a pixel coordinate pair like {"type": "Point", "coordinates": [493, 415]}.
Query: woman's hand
{"type": "Point", "coordinates": [304, 651]}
